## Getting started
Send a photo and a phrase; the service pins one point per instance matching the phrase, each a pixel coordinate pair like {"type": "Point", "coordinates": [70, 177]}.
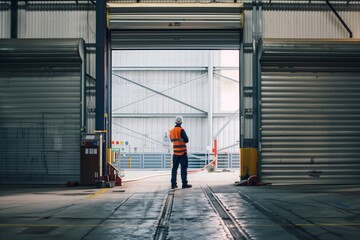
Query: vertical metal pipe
{"type": "Point", "coordinates": [83, 93]}
{"type": "Point", "coordinates": [241, 94]}
{"type": "Point", "coordinates": [211, 97]}
{"type": "Point", "coordinates": [109, 132]}
{"type": "Point", "coordinates": [14, 19]}
{"type": "Point", "coordinates": [101, 73]}
{"type": "Point", "coordinates": [254, 76]}
{"type": "Point", "coordinates": [259, 126]}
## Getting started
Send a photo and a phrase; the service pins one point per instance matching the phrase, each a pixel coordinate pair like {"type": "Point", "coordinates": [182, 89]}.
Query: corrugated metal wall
{"type": "Point", "coordinates": [309, 24]}
{"type": "Point", "coordinates": [69, 20]}
{"type": "Point", "coordinates": [310, 95]}
{"type": "Point", "coordinates": [4, 21]}
{"type": "Point", "coordinates": [303, 24]}
{"type": "Point", "coordinates": [40, 111]}
{"type": "Point", "coordinates": [296, 24]}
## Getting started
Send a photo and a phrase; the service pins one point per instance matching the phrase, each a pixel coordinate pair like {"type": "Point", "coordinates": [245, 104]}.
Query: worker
{"type": "Point", "coordinates": [179, 139]}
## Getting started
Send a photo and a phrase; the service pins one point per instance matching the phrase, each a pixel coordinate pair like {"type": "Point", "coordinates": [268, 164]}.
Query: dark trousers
{"type": "Point", "coordinates": [183, 161]}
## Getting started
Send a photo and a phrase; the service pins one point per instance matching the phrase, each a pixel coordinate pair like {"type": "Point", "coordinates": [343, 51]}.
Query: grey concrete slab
{"type": "Point", "coordinates": [132, 211]}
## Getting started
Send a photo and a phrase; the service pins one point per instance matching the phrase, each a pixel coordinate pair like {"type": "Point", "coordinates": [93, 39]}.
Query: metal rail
{"type": "Point", "coordinates": [286, 224]}
{"type": "Point", "coordinates": [229, 221]}
{"type": "Point", "coordinates": [163, 225]}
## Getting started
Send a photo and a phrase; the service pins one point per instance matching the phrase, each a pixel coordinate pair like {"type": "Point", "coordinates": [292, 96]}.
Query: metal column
{"type": "Point", "coordinates": [211, 97]}
{"type": "Point", "coordinates": [14, 19]}
{"type": "Point", "coordinates": [101, 74]}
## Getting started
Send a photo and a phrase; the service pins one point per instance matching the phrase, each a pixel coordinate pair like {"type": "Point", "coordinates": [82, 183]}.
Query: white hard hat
{"type": "Point", "coordinates": [178, 119]}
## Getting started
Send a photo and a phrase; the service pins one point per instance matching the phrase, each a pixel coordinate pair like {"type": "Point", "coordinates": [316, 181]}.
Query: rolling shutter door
{"type": "Point", "coordinates": [310, 111]}
{"type": "Point", "coordinates": [175, 25]}
{"type": "Point", "coordinates": [40, 111]}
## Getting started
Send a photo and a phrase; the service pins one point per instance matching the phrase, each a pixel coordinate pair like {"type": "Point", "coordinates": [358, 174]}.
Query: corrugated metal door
{"type": "Point", "coordinates": [175, 25]}
{"type": "Point", "coordinates": [40, 111]}
{"type": "Point", "coordinates": [310, 111]}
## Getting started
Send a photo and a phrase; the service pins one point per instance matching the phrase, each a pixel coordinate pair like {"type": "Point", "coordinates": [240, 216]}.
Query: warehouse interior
{"type": "Point", "coordinates": [268, 91]}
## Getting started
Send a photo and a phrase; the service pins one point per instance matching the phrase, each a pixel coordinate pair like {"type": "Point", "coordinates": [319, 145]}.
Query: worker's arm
{"type": "Point", "coordinates": [184, 136]}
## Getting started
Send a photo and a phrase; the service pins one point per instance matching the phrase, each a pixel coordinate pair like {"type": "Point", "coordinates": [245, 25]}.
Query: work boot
{"type": "Point", "coordinates": [173, 187]}
{"type": "Point", "coordinates": [187, 186]}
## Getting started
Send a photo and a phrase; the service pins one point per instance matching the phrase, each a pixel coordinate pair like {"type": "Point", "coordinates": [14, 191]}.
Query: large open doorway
{"type": "Point", "coordinates": [148, 90]}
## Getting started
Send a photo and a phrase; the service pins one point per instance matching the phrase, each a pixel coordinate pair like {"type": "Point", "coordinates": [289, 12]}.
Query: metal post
{"type": "Point", "coordinates": [241, 93]}
{"type": "Point", "coordinates": [259, 125]}
{"type": "Point", "coordinates": [211, 97]}
{"type": "Point", "coordinates": [109, 90]}
{"type": "Point", "coordinates": [101, 48]}
{"type": "Point", "coordinates": [254, 76]}
{"type": "Point", "coordinates": [14, 19]}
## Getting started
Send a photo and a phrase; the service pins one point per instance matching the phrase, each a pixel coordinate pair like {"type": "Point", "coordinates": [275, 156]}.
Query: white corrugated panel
{"type": "Point", "coordinates": [229, 136]}
{"type": "Point", "coordinates": [4, 23]}
{"type": "Point", "coordinates": [170, 58]}
{"type": "Point", "coordinates": [304, 24]}
{"type": "Point", "coordinates": [57, 24]}
{"type": "Point", "coordinates": [309, 24]}
{"type": "Point", "coordinates": [131, 98]}
{"type": "Point", "coordinates": [149, 134]}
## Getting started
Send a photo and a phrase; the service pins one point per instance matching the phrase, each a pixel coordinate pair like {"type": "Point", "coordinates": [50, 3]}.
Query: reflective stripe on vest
{"type": "Point", "coordinates": [178, 143]}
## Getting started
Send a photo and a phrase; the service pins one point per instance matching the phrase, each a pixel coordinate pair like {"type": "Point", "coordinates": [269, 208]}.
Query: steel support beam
{"type": "Point", "coordinates": [160, 93]}
{"type": "Point", "coordinates": [168, 115]}
{"type": "Point", "coordinates": [241, 94]}
{"type": "Point", "coordinates": [339, 17]}
{"type": "Point", "coordinates": [14, 19]}
{"type": "Point", "coordinates": [255, 73]}
{"type": "Point", "coordinates": [101, 76]}
{"type": "Point", "coordinates": [142, 135]}
{"type": "Point", "coordinates": [227, 123]}
{"type": "Point", "coordinates": [129, 104]}
{"type": "Point", "coordinates": [164, 68]}
{"type": "Point", "coordinates": [210, 99]}
{"type": "Point", "coordinates": [227, 78]}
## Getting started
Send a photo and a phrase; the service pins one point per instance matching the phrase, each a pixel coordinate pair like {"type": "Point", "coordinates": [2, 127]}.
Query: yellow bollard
{"type": "Point", "coordinates": [108, 155]}
{"type": "Point", "coordinates": [248, 162]}
{"type": "Point", "coordinates": [129, 162]}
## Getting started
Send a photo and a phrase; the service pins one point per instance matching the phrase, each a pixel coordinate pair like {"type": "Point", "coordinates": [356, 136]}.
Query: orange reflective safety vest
{"type": "Point", "coordinates": [178, 143]}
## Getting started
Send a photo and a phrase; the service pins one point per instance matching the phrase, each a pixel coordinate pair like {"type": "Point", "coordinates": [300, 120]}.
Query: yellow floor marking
{"type": "Point", "coordinates": [102, 191]}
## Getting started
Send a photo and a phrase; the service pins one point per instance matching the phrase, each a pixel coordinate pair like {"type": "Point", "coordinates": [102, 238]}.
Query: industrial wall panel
{"type": "Point", "coordinates": [310, 111]}
{"type": "Point", "coordinates": [179, 39]}
{"type": "Point", "coordinates": [152, 134]}
{"type": "Point", "coordinates": [228, 139]}
{"type": "Point", "coordinates": [40, 112]}
{"type": "Point", "coordinates": [46, 23]}
{"type": "Point", "coordinates": [247, 31]}
{"type": "Point", "coordinates": [175, 26]}
{"type": "Point", "coordinates": [4, 22]}
{"type": "Point", "coordinates": [167, 58]}
{"type": "Point", "coordinates": [309, 24]}
{"type": "Point", "coordinates": [303, 24]}
{"type": "Point", "coordinates": [185, 86]}
{"type": "Point", "coordinates": [59, 20]}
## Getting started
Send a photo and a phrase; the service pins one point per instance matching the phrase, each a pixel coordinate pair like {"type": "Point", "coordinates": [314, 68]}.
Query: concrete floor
{"type": "Point", "coordinates": [133, 210]}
